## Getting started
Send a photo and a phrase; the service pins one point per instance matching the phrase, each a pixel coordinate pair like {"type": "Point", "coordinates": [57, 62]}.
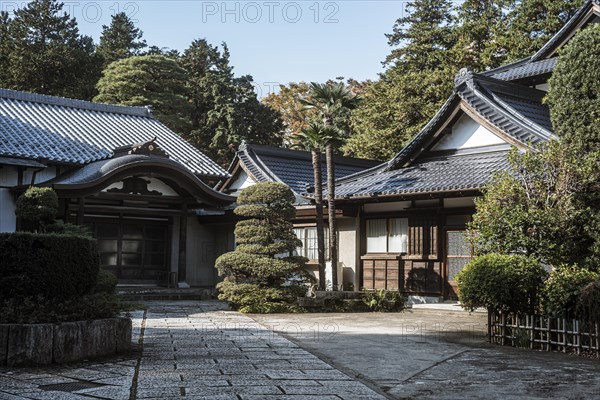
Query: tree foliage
{"type": "Point", "coordinates": [531, 23]}
{"type": "Point", "coordinates": [261, 270]}
{"type": "Point", "coordinates": [155, 81]}
{"type": "Point", "coordinates": [476, 28]}
{"type": "Point", "coordinates": [538, 208]}
{"type": "Point", "coordinates": [501, 282]}
{"type": "Point", "coordinates": [121, 39]}
{"type": "Point", "coordinates": [225, 109]}
{"type": "Point", "coordinates": [37, 207]}
{"type": "Point", "coordinates": [574, 87]}
{"type": "Point", "coordinates": [422, 36]}
{"type": "Point", "coordinates": [43, 52]}
{"type": "Point", "coordinates": [394, 109]}
{"type": "Point", "coordinates": [561, 291]}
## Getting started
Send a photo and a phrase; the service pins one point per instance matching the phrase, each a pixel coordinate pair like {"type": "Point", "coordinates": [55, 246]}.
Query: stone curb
{"type": "Point", "coordinates": [43, 344]}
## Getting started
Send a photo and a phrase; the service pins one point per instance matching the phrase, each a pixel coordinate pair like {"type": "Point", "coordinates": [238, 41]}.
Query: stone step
{"type": "Point", "coordinates": [134, 293]}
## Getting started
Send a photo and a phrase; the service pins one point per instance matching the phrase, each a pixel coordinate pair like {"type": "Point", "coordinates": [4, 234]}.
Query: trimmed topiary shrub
{"type": "Point", "coordinates": [106, 282]}
{"type": "Point", "coordinates": [37, 207]}
{"type": "Point", "coordinates": [52, 266]}
{"type": "Point", "coordinates": [261, 275]}
{"type": "Point", "coordinates": [561, 291]}
{"type": "Point", "coordinates": [501, 282]}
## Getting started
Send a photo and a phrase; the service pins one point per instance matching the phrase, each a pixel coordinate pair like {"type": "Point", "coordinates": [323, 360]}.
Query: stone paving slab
{"type": "Point", "coordinates": [192, 350]}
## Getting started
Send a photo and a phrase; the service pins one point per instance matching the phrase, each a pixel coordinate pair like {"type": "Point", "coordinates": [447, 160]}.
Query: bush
{"type": "Point", "coordinates": [384, 301]}
{"type": "Point", "coordinates": [38, 310]}
{"type": "Point", "coordinates": [588, 305]}
{"type": "Point", "coordinates": [61, 228]}
{"type": "Point", "coordinates": [37, 206]}
{"type": "Point", "coordinates": [53, 266]}
{"type": "Point", "coordinates": [106, 282]}
{"type": "Point", "coordinates": [257, 299]}
{"type": "Point", "coordinates": [501, 283]}
{"type": "Point", "coordinates": [562, 289]}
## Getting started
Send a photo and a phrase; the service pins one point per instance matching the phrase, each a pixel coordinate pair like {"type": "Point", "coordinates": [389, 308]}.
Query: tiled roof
{"type": "Point", "coordinates": [293, 167]}
{"type": "Point", "coordinates": [456, 172]}
{"type": "Point", "coordinates": [514, 109]}
{"type": "Point", "coordinates": [66, 131]}
{"type": "Point", "coordinates": [522, 69]}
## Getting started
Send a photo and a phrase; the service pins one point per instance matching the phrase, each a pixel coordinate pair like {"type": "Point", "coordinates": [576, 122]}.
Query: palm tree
{"type": "Point", "coordinates": [312, 138]}
{"type": "Point", "coordinates": [330, 100]}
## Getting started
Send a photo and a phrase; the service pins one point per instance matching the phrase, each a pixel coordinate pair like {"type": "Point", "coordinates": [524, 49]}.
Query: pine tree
{"type": "Point", "coordinates": [48, 54]}
{"type": "Point", "coordinates": [225, 109]}
{"type": "Point", "coordinates": [424, 36]}
{"type": "Point", "coordinates": [478, 23]}
{"type": "Point", "coordinates": [532, 23]}
{"type": "Point", "coordinates": [120, 40]}
{"type": "Point", "coordinates": [418, 80]}
{"type": "Point", "coordinates": [154, 81]}
{"type": "Point", "coordinates": [394, 109]}
{"type": "Point", "coordinates": [256, 271]}
{"type": "Point", "coordinates": [5, 49]}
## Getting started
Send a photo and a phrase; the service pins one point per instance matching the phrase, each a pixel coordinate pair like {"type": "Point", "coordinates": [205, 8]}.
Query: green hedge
{"type": "Point", "coordinates": [563, 288]}
{"type": "Point", "coordinates": [52, 266]}
{"type": "Point", "coordinates": [501, 282]}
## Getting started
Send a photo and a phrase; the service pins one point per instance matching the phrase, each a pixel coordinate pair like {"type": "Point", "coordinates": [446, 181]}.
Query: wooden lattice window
{"type": "Point", "coordinates": [423, 235]}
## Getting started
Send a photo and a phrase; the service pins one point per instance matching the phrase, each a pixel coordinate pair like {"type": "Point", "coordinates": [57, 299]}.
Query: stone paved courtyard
{"type": "Point", "coordinates": [192, 350]}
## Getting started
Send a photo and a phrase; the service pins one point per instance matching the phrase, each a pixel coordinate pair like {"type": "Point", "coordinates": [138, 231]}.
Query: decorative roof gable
{"type": "Point", "coordinates": [292, 167]}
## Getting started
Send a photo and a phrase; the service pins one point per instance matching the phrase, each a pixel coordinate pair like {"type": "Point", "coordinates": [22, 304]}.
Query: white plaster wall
{"type": "Point", "coordinates": [466, 133]}
{"type": "Point", "coordinates": [543, 86]}
{"type": "Point", "coordinates": [347, 249]}
{"type": "Point", "coordinates": [155, 184]}
{"type": "Point", "coordinates": [8, 220]}
{"type": "Point", "coordinates": [8, 176]}
{"type": "Point", "coordinates": [243, 181]}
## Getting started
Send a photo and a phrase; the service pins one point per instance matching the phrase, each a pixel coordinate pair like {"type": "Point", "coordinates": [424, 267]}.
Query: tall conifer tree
{"type": "Point", "coordinates": [121, 39]}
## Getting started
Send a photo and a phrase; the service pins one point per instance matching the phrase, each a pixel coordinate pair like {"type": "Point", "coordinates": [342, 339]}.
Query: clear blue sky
{"type": "Point", "coordinates": [274, 41]}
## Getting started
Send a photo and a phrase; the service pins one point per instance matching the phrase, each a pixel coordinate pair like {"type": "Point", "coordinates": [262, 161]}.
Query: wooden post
{"type": "Point", "coordinates": [503, 321]}
{"type": "Point", "coordinates": [182, 265]}
{"type": "Point", "coordinates": [597, 341]}
{"type": "Point", "coordinates": [81, 211]}
{"type": "Point", "coordinates": [489, 326]}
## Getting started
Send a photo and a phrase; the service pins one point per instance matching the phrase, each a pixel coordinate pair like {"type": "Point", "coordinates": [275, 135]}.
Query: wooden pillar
{"type": "Point", "coordinates": [182, 265]}
{"type": "Point", "coordinates": [81, 211]}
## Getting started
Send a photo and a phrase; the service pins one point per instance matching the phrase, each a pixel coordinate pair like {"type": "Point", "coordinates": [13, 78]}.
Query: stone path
{"type": "Point", "coordinates": [192, 350]}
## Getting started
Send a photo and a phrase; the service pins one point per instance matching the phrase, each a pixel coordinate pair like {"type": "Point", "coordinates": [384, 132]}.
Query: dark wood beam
{"type": "Point", "coordinates": [182, 265]}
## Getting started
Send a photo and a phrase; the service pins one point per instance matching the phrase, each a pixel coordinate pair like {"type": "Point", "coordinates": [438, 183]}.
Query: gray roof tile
{"type": "Point", "coordinates": [522, 69]}
{"type": "Point", "coordinates": [457, 172]}
{"type": "Point", "coordinates": [59, 130]}
{"type": "Point", "coordinates": [293, 167]}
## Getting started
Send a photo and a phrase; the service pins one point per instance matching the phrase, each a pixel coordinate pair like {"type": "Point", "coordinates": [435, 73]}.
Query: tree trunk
{"type": "Point", "coordinates": [333, 249]}
{"type": "Point", "coordinates": [318, 177]}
